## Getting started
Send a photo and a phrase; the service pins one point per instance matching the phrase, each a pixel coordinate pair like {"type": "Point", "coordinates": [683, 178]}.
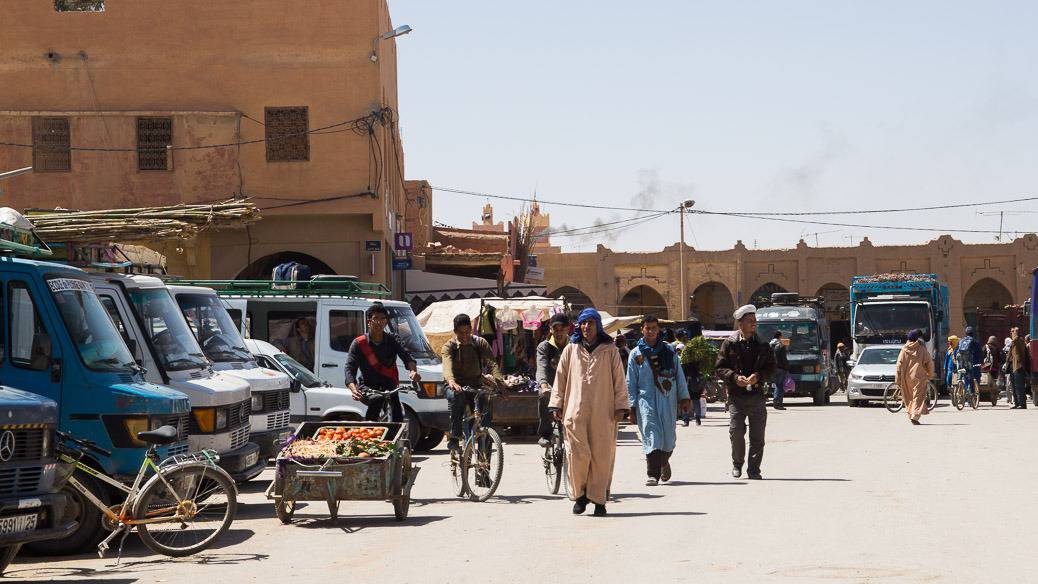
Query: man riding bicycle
{"type": "Point", "coordinates": [548, 353]}
{"type": "Point", "coordinates": [970, 356]}
{"type": "Point", "coordinates": [374, 355]}
{"type": "Point", "coordinates": [466, 358]}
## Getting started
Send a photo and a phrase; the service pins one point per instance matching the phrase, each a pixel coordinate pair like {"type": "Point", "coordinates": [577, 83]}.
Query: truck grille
{"type": "Point", "coordinates": [876, 378]}
{"type": "Point", "coordinates": [177, 449]}
{"type": "Point", "coordinates": [23, 480]}
{"type": "Point", "coordinates": [28, 444]}
{"type": "Point", "coordinates": [278, 420]}
{"type": "Point", "coordinates": [180, 422]}
{"type": "Point", "coordinates": [240, 437]}
{"type": "Point", "coordinates": [239, 413]}
{"type": "Point", "coordinates": [274, 401]}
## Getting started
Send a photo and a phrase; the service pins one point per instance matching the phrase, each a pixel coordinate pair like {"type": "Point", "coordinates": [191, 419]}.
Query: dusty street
{"type": "Point", "coordinates": [853, 495]}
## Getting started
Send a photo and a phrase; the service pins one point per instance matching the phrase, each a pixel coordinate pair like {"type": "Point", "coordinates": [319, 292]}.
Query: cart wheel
{"type": "Point", "coordinates": [284, 510]}
{"type": "Point", "coordinates": [333, 502]}
{"type": "Point", "coordinates": [402, 495]}
{"type": "Point", "coordinates": [401, 506]}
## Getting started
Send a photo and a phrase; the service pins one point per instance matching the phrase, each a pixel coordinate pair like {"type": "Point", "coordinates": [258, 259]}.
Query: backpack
{"type": "Point", "coordinates": [965, 354]}
{"type": "Point", "coordinates": [290, 272]}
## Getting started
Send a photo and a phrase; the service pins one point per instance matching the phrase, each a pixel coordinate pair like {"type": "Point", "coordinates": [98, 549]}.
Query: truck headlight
{"type": "Point", "coordinates": [257, 402]}
{"type": "Point", "coordinates": [206, 419]}
{"type": "Point", "coordinates": [221, 418]}
{"type": "Point", "coordinates": [429, 388]}
{"type": "Point", "coordinates": [136, 425]}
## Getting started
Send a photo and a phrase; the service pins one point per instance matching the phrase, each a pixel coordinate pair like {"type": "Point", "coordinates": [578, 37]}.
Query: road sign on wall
{"type": "Point", "coordinates": [404, 241]}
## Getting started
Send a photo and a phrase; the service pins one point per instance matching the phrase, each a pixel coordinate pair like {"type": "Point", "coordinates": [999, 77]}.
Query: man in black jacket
{"type": "Point", "coordinates": [374, 356]}
{"type": "Point", "coordinates": [778, 347]}
{"type": "Point", "coordinates": [548, 353]}
{"type": "Point", "coordinates": [746, 364]}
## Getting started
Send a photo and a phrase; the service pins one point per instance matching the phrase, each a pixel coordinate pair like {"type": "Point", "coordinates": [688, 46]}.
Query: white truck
{"type": "Point", "coordinates": [155, 330]}
{"type": "Point", "coordinates": [223, 345]}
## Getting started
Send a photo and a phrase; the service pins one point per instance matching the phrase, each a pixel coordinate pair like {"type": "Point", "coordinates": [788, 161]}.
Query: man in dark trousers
{"type": "Point", "coordinates": [375, 355]}
{"type": "Point", "coordinates": [778, 347]}
{"type": "Point", "coordinates": [548, 353]}
{"type": "Point", "coordinates": [746, 363]}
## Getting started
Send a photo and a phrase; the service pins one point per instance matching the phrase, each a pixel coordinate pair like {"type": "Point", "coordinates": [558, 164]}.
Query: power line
{"type": "Point", "coordinates": [601, 225]}
{"type": "Point", "coordinates": [812, 222]}
{"type": "Point", "coordinates": [613, 227]}
{"type": "Point", "coordinates": [542, 201]}
{"type": "Point", "coordinates": [873, 211]}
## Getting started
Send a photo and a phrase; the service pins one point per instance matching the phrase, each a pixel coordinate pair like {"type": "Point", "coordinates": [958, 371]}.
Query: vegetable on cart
{"type": "Point", "coordinates": [344, 461]}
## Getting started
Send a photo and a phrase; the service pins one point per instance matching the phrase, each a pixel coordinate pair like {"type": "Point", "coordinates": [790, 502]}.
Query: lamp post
{"type": "Point", "coordinates": [396, 32]}
{"type": "Point", "coordinates": [681, 258]}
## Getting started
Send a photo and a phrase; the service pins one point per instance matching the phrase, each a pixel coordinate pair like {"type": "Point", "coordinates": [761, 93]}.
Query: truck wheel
{"type": "Point", "coordinates": [414, 427]}
{"type": "Point", "coordinates": [7, 554]}
{"type": "Point", "coordinates": [819, 396]}
{"type": "Point", "coordinates": [430, 441]}
{"type": "Point", "coordinates": [88, 533]}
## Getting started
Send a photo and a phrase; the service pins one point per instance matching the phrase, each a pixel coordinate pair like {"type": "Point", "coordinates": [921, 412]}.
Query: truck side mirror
{"type": "Point", "coordinates": [295, 386]}
{"type": "Point", "coordinates": [55, 370]}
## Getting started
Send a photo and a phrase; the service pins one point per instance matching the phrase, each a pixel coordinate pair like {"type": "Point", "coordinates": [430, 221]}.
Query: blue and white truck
{"type": "Point", "coordinates": [885, 307]}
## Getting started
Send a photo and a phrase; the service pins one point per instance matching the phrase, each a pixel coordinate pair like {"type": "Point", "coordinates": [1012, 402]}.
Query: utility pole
{"type": "Point", "coordinates": [681, 258]}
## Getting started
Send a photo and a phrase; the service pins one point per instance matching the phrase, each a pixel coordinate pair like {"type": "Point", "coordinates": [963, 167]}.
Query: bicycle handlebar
{"type": "Point", "coordinates": [85, 444]}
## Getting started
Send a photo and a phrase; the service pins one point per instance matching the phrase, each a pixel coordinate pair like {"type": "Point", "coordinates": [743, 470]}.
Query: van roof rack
{"type": "Point", "coordinates": [319, 286]}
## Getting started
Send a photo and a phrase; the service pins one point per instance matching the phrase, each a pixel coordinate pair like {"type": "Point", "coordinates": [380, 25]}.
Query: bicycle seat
{"type": "Point", "coordinates": [163, 435]}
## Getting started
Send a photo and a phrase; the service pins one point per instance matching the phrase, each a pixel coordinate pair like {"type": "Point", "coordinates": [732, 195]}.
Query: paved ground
{"type": "Point", "coordinates": [854, 495]}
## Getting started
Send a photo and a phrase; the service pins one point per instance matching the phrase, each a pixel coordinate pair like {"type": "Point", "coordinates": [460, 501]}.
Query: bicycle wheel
{"type": "Point", "coordinates": [931, 396]}
{"type": "Point", "coordinates": [973, 398]}
{"type": "Point", "coordinates": [959, 395]}
{"type": "Point", "coordinates": [892, 398]}
{"type": "Point", "coordinates": [482, 464]}
{"type": "Point", "coordinates": [553, 464]}
{"type": "Point", "coordinates": [457, 482]}
{"type": "Point", "coordinates": [190, 517]}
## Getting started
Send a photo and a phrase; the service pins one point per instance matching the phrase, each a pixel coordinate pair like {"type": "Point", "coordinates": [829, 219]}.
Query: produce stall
{"type": "Point", "coordinates": [344, 461]}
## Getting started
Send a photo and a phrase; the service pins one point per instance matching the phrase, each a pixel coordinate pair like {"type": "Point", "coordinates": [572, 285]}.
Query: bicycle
{"type": "Point", "coordinates": [208, 491]}
{"type": "Point", "coordinates": [960, 396]}
{"type": "Point", "coordinates": [477, 465]}
{"type": "Point", "coordinates": [894, 401]}
{"type": "Point", "coordinates": [556, 469]}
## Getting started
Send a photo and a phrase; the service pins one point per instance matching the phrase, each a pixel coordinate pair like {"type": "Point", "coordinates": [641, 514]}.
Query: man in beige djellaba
{"type": "Point", "coordinates": [914, 370]}
{"type": "Point", "coordinates": [590, 397]}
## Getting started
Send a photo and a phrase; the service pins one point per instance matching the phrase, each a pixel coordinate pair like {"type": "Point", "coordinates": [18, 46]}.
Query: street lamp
{"type": "Point", "coordinates": [681, 258]}
{"type": "Point", "coordinates": [396, 32]}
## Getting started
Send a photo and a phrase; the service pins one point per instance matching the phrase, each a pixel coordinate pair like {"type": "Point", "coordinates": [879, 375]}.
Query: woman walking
{"type": "Point", "coordinates": [914, 370]}
{"type": "Point", "coordinates": [590, 397]}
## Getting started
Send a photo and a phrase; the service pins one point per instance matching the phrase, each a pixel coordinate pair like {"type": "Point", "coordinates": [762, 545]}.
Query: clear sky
{"type": "Point", "coordinates": [741, 106]}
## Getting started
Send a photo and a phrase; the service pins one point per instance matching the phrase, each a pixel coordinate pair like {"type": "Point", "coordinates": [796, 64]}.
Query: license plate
{"type": "Point", "coordinates": [251, 459]}
{"type": "Point", "coordinates": [18, 524]}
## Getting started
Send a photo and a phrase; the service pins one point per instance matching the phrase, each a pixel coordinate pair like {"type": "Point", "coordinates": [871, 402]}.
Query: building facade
{"type": "Point", "coordinates": [978, 276]}
{"type": "Point", "coordinates": [134, 103]}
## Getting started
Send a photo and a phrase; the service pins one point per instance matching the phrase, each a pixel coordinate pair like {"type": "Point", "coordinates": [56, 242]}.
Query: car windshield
{"type": "Point", "coordinates": [879, 356]}
{"type": "Point", "coordinates": [802, 336]}
{"type": "Point", "coordinates": [297, 371]}
{"type": "Point", "coordinates": [169, 334]}
{"type": "Point", "coordinates": [213, 328]}
{"type": "Point", "coordinates": [890, 322]}
{"type": "Point", "coordinates": [92, 330]}
{"type": "Point", "coordinates": [404, 324]}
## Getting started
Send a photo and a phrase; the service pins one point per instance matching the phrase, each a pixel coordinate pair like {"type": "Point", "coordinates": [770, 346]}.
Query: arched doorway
{"type": "Point", "coordinates": [643, 300]}
{"type": "Point", "coordinates": [263, 268]}
{"type": "Point", "coordinates": [987, 293]}
{"type": "Point", "coordinates": [837, 311]}
{"type": "Point", "coordinates": [763, 294]}
{"type": "Point", "coordinates": [577, 300]}
{"type": "Point", "coordinates": [712, 304]}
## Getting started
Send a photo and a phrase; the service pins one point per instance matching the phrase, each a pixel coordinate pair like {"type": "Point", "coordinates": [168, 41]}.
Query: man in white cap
{"type": "Point", "coordinates": [746, 364]}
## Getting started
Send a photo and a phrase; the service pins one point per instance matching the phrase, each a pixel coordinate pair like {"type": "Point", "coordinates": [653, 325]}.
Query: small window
{"type": "Point", "coordinates": [293, 332]}
{"type": "Point", "coordinates": [344, 326]}
{"type": "Point", "coordinates": [51, 150]}
{"type": "Point", "coordinates": [79, 5]}
{"type": "Point", "coordinates": [154, 138]}
{"type": "Point", "coordinates": [287, 133]}
{"type": "Point", "coordinates": [30, 343]}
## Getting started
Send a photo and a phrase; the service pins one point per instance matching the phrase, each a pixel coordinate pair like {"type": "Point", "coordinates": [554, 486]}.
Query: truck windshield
{"type": "Point", "coordinates": [879, 356]}
{"type": "Point", "coordinates": [890, 322]}
{"type": "Point", "coordinates": [803, 336]}
{"type": "Point", "coordinates": [95, 336]}
{"type": "Point", "coordinates": [297, 371]}
{"type": "Point", "coordinates": [213, 328]}
{"type": "Point", "coordinates": [164, 324]}
{"type": "Point", "coordinates": [404, 324]}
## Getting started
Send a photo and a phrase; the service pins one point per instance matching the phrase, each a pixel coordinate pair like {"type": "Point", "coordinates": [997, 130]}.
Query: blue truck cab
{"type": "Point", "coordinates": [805, 331]}
{"type": "Point", "coordinates": [32, 506]}
{"type": "Point", "coordinates": [59, 342]}
{"type": "Point", "coordinates": [885, 307]}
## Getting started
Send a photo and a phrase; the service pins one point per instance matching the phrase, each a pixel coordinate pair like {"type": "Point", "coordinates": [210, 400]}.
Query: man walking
{"type": "Point", "coordinates": [913, 372]}
{"type": "Point", "coordinates": [1018, 363]}
{"type": "Point", "coordinates": [375, 355]}
{"type": "Point", "coordinates": [548, 353]}
{"type": "Point", "coordinates": [745, 363]}
{"type": "Point", "coordinates": [656, 389]}
{"type": "Point", "coordinates": [781, 370]}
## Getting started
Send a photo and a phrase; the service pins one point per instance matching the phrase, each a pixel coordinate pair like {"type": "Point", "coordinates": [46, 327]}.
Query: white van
{"type": "Point", "coordinates": [157, 334]}
{"type": "Point", "coordinates": [222, 343]}
{"type": "Point", "coordinates": [334, 307]}
{"type": "Point", "coordinates": [313, 399]}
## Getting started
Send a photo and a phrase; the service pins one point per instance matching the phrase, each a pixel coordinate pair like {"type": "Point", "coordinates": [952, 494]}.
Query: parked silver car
{"type": "Point", "coordinates": [872, 373]}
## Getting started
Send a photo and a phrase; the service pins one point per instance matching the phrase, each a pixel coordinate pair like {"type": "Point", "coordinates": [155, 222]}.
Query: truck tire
{"type": "Point", "coordinates": [89, 531]}
{"type": "Point", "coordinates": [430, 441]}
{"type": "Point", "coordinates": [819, 396]}
{"type": "Point", "coordinates": [7, 554]}
{"type": "Point", "coordinates": [414, 427]}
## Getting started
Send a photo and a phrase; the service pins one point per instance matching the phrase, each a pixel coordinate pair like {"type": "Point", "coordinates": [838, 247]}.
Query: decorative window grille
{"type": "Point", "coordinates": [51, 150]}
{"type": "Point", "coordinates": [154, 136]}
{"type": "Point", "coordinates": [287, 137]}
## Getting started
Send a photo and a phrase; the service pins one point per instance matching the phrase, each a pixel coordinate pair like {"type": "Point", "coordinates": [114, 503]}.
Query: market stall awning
{"type": "Point", "coordinates": [612, 324]}
{"type": "Point", "coordinates": [432, 287]}
{"type": "Point", "coordinates": [437, 320]}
